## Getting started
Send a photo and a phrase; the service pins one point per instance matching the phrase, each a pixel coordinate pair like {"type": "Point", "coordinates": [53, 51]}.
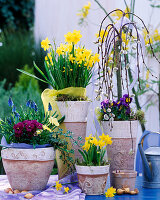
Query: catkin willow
{"type": "Point", "coordinates": [114, 56]}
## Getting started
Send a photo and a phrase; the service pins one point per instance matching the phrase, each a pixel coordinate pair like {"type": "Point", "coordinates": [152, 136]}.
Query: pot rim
{"type": "Point", "coordinates": [124, 173]}
{"type": "Point", "coordinates": [37, 154]}
{"type": "Point", "coordinates": [92, 170]}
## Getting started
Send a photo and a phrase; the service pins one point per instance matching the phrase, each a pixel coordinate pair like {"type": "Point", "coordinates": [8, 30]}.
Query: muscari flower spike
{"type": "Point", "coordinates": [10, 102]}
{"type": "Point", "coordinates": [14, 109]}
{"type": "Point", "coordinates": [49, 107]}
{"type": "Point", "coordinates": [28, 103]}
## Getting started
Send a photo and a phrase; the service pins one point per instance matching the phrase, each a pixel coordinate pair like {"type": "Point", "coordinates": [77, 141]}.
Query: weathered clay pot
{"type": "Point", "coordinates": [124, 179]}
{"type": "Point", "coordinates": [28, 169]}
{"type": "Point", "coordinates": [92, 179]}
{"type": "Point", "coordinates": [75, 118]}
{"type": "Point", "coordinates": [123, 135]}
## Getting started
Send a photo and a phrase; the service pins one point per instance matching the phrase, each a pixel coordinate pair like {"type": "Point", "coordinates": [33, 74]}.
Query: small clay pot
{"type": "Point", "coordinates": [92, 179]}
{"type": "Point", "coordinates": [124, 179]}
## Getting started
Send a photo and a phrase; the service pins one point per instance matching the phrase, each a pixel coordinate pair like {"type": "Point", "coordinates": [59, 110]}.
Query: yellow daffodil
{"type": "Point", "coordinates": [80, 58]}
{"type": "Point", "coordinates": [45, 44]}
{"type": "Point", "coordinates": [147, 37]}
{"type": "Point", "coordinates": [102, 137]}
{"type": "Point", "coordinates": [108, 140]}
{"type": "Point", "coordinates": [94, 141]}
{"type": "Point", "coordinates": [45, 127]}
{"type": "Point", "coordinates": [87, 6]}
{"type": "Point", "coordinates": [86, 146]}
{"type": "Point", "coordinates": [147, 85]}
{"type": "Point", "coordinates": [53, 121]}
{"type": "Point", "coordinates": [79, 50]}
{"type": "Point", "coordinates": [110, 192]}
{"type": "Point", "coordinates": [101, 143]}
{"type": "Point", "coordinates": [58, 185]}
{"type": "Point", "coordinates": [89, 137]}
{"type": "Point", "coordinates": [96, 58]}
{"type": "Point", "coordinates": [87, 53]}
{"type": "Point", "coordinates": [50, 58]}
{"type": "Point", "coordinates": [59, 51]}
{"type": "Point", "coordinates": [73, 37]}
{"type": "Point", "coordinates": [66, 189]}
{"type": "Point", "coordinates": [71, 58]}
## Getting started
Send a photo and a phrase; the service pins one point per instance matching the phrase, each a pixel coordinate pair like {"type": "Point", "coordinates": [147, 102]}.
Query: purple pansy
{"type": "Point", "coordinates": [18, 129]}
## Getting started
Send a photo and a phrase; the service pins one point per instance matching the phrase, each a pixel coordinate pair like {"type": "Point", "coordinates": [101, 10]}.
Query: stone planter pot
{"type": "Point", "coordinates": [124, 179]}
{"type": "Point", "coordinates": [75, 118]}
{"type": "Point", "coordinates": [28, 169]}
{"type": "Point", "coordinates": [92, 179]}
{"type": "Point", "coordinates": [123, 135]}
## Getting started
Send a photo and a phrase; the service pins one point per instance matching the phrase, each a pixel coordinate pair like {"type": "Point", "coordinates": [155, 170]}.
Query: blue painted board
{"type": "Point", "coordinates": [144, 193]}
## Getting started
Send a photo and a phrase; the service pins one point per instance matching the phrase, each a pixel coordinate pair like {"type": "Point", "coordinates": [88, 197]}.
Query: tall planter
{"type": "Point", "coordinates": [75, 118]}
{"type": "Point", "coordinates": [123, 135]}
{"type": "Point", "coordinates": [28, 169]}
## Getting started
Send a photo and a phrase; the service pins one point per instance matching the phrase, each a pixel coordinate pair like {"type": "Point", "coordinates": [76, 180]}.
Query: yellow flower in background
{"type": "Point", "coordinates": [79, 50]}
{"type": "Point", "coordinates": [118, 14]}
{"type": "Point", "coordinates": [103, 34]}
{"type": "Point", "coordinates": [146, 37]}
{"type": "Point", "coordinates": [86, 146]}
{"type": "Point", "coordinates": [110, 192]}
{"type": "Point", "coordinates": [58, 185]}
{"type": "Point", "coordinates": [147, 75]}
{"type": "Point", "coordinates": [53, 121]}
{"type": "Point", "coordinates": [85, 10]}
{"type": "Point", "coordinates": [88, 6]}
{"type": "Point", "coordinates": [66, 189]}
{"type": "Point", "coordinates": [156, 35]}
{"type": "Point", "coordinates": [45, 44]}
{"type": "Point", "coordinates": [147, 85]}
{"type": "Point", "coordinates": [45, 127]}
{"type": "Point", "coordinates": [125, 40]}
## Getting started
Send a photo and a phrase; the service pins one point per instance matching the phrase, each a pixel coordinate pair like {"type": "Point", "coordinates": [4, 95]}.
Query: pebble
{"type": "Point", "coordinates": [29, 196]}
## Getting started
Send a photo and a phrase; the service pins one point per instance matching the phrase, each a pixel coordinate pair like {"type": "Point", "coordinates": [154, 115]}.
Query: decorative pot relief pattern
{"type": "Point", "coordinates": [119, 153]}
{"type": "Point", "coordinates": [92, 184]}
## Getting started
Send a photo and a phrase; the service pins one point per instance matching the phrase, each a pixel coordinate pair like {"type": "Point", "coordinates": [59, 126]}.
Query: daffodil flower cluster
{"type": "Point", "coordinates": [94, 149]}
{"type": "Point", "coordinates": [68, 65]}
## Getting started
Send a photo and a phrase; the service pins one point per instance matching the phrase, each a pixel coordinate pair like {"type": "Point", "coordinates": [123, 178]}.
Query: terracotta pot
{"type": "Point", "coordinates": [28, 169]}
{"type": "Point", "coordinates": [75, 118]}
{"type": "Point", "coordinates": [92, 179]}
{"type": "Point", "coordinates": [123, 135]}
{"type": "Point", "coordinates": [124, 179]}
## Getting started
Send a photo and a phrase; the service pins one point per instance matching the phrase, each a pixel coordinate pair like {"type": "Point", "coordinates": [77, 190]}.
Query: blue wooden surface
{"type": "Point", "coordinates": [144, 194]}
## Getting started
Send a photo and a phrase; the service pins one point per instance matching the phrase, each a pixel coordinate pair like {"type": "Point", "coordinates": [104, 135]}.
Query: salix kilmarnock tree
{"type": "Point", "coordinates": [114, 42]}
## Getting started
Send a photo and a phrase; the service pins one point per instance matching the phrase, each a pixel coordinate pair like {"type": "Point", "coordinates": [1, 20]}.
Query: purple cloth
{"type": "Point", "coordinates": [50, 193]}
{"type": "Point", "coordinates": [21, 145]}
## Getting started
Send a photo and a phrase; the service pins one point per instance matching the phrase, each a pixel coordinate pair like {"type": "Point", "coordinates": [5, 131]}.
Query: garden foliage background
{"type": "Point", "coordinates": [23, 24]}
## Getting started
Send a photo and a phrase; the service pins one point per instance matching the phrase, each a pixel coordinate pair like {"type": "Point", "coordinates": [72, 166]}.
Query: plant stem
{"type": "Point", "coordinates": [118, 73]}
{"type": "Point", "coordinates": [103, 10]}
